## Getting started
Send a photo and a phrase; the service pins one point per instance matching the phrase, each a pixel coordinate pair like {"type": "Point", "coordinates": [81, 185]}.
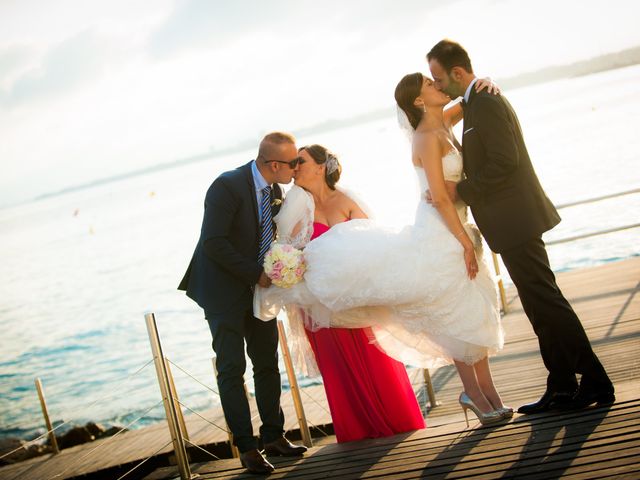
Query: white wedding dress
{"type": "Point", "coordinates": [411, 286]}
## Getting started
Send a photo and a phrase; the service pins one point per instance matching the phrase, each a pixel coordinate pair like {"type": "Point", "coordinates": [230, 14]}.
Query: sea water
{"type": "Point", "coordinates": [79, 270]}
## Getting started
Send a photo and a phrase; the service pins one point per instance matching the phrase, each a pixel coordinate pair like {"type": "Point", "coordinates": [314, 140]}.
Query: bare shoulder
{"type": "Point", "coordinates": [428, 141]}
{"type": "Point", "coordinates": [342, 201]}
{"type": "Point", "coordinates": [425, 137]}
{"type": "Point", "coordinates": [343, 198]}
{"type": "Point", "coordinates": [350, 206]}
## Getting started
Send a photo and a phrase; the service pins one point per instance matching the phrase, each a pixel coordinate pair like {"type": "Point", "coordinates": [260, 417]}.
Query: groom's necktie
{"type": "Point", "coordinates": [266, 225]}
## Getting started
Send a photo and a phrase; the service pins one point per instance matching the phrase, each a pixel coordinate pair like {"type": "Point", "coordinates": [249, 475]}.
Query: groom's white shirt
{"type": "Point", "coordinates": [259, 183]}
{"type": "Point", "coordinates": [467, 93]}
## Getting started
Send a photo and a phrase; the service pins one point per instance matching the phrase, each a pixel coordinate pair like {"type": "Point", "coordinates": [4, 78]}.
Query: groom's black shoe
{"type": "Point", "coordinates": [283, 447]}
{"type": "Point", "coordinates": [586, 397]}
{"type": "Point", "coordinates": [549, 401]}
{"type": "Point", "coordinates": [254, 462]}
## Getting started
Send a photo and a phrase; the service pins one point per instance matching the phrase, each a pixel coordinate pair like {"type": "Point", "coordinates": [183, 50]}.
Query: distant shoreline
{"type": "Point", "coordinates": [610, 61]}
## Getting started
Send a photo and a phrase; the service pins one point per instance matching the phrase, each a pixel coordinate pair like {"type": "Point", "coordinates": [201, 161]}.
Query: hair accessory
{"type": "Point", "coordinates": [331, 162]}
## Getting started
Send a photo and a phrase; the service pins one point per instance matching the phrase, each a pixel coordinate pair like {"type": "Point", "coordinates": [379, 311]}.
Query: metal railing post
{"type": "Point", "coordinates": [295, 390]}
{"type": "Point", "coordinates": [503, 295]}
{"type": "Point", "coordinates": [45, 413]}
{"type": "Point", "coordinates": [429, 386]}
{"type": "Point", "coordinates": [176, 400]}
{"type": "Point", "coordinates": [169, 405]}
{"type": "Point", "coordinates": [235, 453]}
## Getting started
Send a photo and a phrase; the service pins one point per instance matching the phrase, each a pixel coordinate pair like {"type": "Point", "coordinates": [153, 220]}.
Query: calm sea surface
{"type": "Point", "coordinates": [80, 270]}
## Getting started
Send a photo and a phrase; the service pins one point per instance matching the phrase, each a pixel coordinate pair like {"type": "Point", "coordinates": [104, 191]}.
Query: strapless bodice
{"type": "Point", "coordinates": [451, 167]}
{"type": "Point", "coordinates": [452, 170]}
{"type": "Point", "coordinates": [319, 229]}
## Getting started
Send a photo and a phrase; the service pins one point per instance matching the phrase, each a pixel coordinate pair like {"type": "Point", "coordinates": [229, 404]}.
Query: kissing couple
{"type": "Point", "coordinates": [371, 299]}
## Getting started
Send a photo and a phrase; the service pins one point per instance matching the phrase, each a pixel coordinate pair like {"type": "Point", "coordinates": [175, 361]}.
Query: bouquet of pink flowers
{"type": "Point", "coordinates": [284, 265]}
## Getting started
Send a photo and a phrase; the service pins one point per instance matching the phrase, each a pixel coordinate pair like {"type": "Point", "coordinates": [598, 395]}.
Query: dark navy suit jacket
{"type": "Point", "coordinates": [222, 278]}
{"type": "Point", "coordinates": [501, 187]}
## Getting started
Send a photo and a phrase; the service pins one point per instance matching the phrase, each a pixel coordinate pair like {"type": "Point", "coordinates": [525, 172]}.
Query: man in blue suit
{"type": "Point", "coordinates": [237, 229]}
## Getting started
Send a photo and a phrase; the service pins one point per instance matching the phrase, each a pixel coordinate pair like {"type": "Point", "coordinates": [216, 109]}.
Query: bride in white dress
{"type": "Point", "coordinates": [426, 291]}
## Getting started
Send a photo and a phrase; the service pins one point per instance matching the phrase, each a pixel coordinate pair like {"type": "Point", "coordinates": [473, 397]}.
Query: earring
{"type": "Point", "coordinates": [424, 108]}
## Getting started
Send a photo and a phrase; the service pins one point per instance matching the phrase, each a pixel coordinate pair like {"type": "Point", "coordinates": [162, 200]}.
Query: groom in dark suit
{"type": "Point", "coordinates": [512, 211]}
{"type": "Point", "coordinates": [237, 230]}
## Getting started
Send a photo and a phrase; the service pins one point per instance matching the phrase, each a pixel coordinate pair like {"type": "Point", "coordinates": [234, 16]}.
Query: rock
{"type": "Point", "coordinates": [95, 429]}
{"type": "Point", "coordinates": [75, 436]}
{"type": "Point", "coordinates": [112, 431]}
{"type": "Point", "coordinates": [9, 444]}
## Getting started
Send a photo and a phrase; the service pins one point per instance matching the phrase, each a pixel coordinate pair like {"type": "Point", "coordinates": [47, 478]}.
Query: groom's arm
{"type": "Point", "coordinates": [221, 205]}
{"type": "Point", "coordinates": [497, 136]}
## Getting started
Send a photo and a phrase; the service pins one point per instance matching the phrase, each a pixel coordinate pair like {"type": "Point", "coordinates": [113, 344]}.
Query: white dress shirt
{"type": "Point", "coordinates": [468, 91]}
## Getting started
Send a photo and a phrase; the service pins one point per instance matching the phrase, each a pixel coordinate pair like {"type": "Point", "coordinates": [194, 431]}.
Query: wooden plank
{"type": "Point", "coordinates": [620, 419]}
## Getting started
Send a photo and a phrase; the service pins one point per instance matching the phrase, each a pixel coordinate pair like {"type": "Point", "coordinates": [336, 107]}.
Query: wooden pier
{"type": "Point", "coordinates": [593, 443]}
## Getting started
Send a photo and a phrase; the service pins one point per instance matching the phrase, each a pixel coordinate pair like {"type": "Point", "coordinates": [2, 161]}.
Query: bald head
{"type": "Point", "coordinates": [273, 144]}
{"type": "Point", "coordinates": [276, 151]}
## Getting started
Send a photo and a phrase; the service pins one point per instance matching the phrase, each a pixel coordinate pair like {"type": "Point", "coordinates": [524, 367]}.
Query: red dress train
{"type": "Point", "coordinates": [369, 393]}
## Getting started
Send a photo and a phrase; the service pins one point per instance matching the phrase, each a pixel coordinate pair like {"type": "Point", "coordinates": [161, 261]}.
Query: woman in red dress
{"type": "Point", "coordinates": [369, 393]}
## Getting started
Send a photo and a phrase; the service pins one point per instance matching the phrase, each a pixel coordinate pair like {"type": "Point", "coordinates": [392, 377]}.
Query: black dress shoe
{"type": "Point", "coordinates": [550, 400]}
{"type": "Point", "coordinates": [254, 462]}
{"type": "Point", "coordinates": [283, 447]}
{"type": "Point", "coordinates": [586, 397]}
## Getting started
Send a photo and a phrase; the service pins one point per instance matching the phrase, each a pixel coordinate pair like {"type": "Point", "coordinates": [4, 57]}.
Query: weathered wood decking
{"type": "Point", "coordinates": [592, 444]}
{"type": "Point", "coordinates": [597, 443]}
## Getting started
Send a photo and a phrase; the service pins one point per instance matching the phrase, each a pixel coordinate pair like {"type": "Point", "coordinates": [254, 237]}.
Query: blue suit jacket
{"type": "Point", "coordinates": [222, 280]}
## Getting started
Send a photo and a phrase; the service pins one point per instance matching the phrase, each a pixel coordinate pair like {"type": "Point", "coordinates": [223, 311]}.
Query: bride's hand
{"type": "Point", "coordinates": [471, 262]}
{"type": "Point", "coordinates": [489, 84]}
{"type": "Point", "coordinates": [264, 281]}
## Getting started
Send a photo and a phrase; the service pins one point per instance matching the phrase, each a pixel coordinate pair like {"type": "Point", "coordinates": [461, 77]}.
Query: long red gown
{"type": "Point", "coordinates": [369, 393]}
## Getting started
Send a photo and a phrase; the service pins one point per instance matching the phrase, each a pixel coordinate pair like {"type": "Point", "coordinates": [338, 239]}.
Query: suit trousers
{"type": "Point", "coordinates": [229, 337]}
{"type": "Point", "coordinates": [564, 345]}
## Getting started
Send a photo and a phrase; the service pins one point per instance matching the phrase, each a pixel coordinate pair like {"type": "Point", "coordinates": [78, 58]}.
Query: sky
{"type": "Point", "coordinates": [91, 89]}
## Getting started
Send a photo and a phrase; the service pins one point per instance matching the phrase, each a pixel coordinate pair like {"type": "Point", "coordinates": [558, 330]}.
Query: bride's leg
{"type": "Point", "coordinates": [485, 382]}
{"type": "Point", "coordinates": [471, 387]}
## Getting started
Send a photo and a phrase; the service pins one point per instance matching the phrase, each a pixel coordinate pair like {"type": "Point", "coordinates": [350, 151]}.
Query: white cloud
{"type": "Point", "coordinates": [63, 69]}
{"type": "Point", "coordinates": [202, 24]}
{"type": "Point", "coordinates": [14, 60]}
{"type": "Point", "coordinates": [110, 87]}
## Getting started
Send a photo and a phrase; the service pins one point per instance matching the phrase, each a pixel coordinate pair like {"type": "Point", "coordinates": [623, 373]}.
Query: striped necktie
{"type": "Point", "coordinates": [266, 225]}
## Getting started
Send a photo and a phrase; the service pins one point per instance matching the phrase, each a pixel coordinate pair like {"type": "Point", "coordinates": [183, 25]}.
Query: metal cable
{"type": "Point", "coordinates": [200, 448]}
{"type": "Point", "coordinates": [208, 421]}
{"type": "Point", "coordinates": [146, 459]}
{"type": "Point", "coordinates": [35, 440]}
{"type": "Point", "coordinates": [314, 400]}
{"type": "Point", "coordinates": [194, 378]}
{"type": "Point", "coordinates": [108, 440]}
{"type": "Point", "coordinates": [317, 428]}
{"type": "Point", "coordinates": [597, 199]}
{"type": "Point", "coordinates": [592, 234]}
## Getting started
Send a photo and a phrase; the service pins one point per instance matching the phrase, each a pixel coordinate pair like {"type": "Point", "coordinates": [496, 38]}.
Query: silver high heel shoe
{"type": "Point", "coordinates": [505, 412]}
{"type": "Point", "coordinates": [485, 418]}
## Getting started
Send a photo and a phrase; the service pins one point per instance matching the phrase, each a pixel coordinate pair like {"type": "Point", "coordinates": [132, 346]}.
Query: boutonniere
{"type": "Point", "coordinates": [276, 202]}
